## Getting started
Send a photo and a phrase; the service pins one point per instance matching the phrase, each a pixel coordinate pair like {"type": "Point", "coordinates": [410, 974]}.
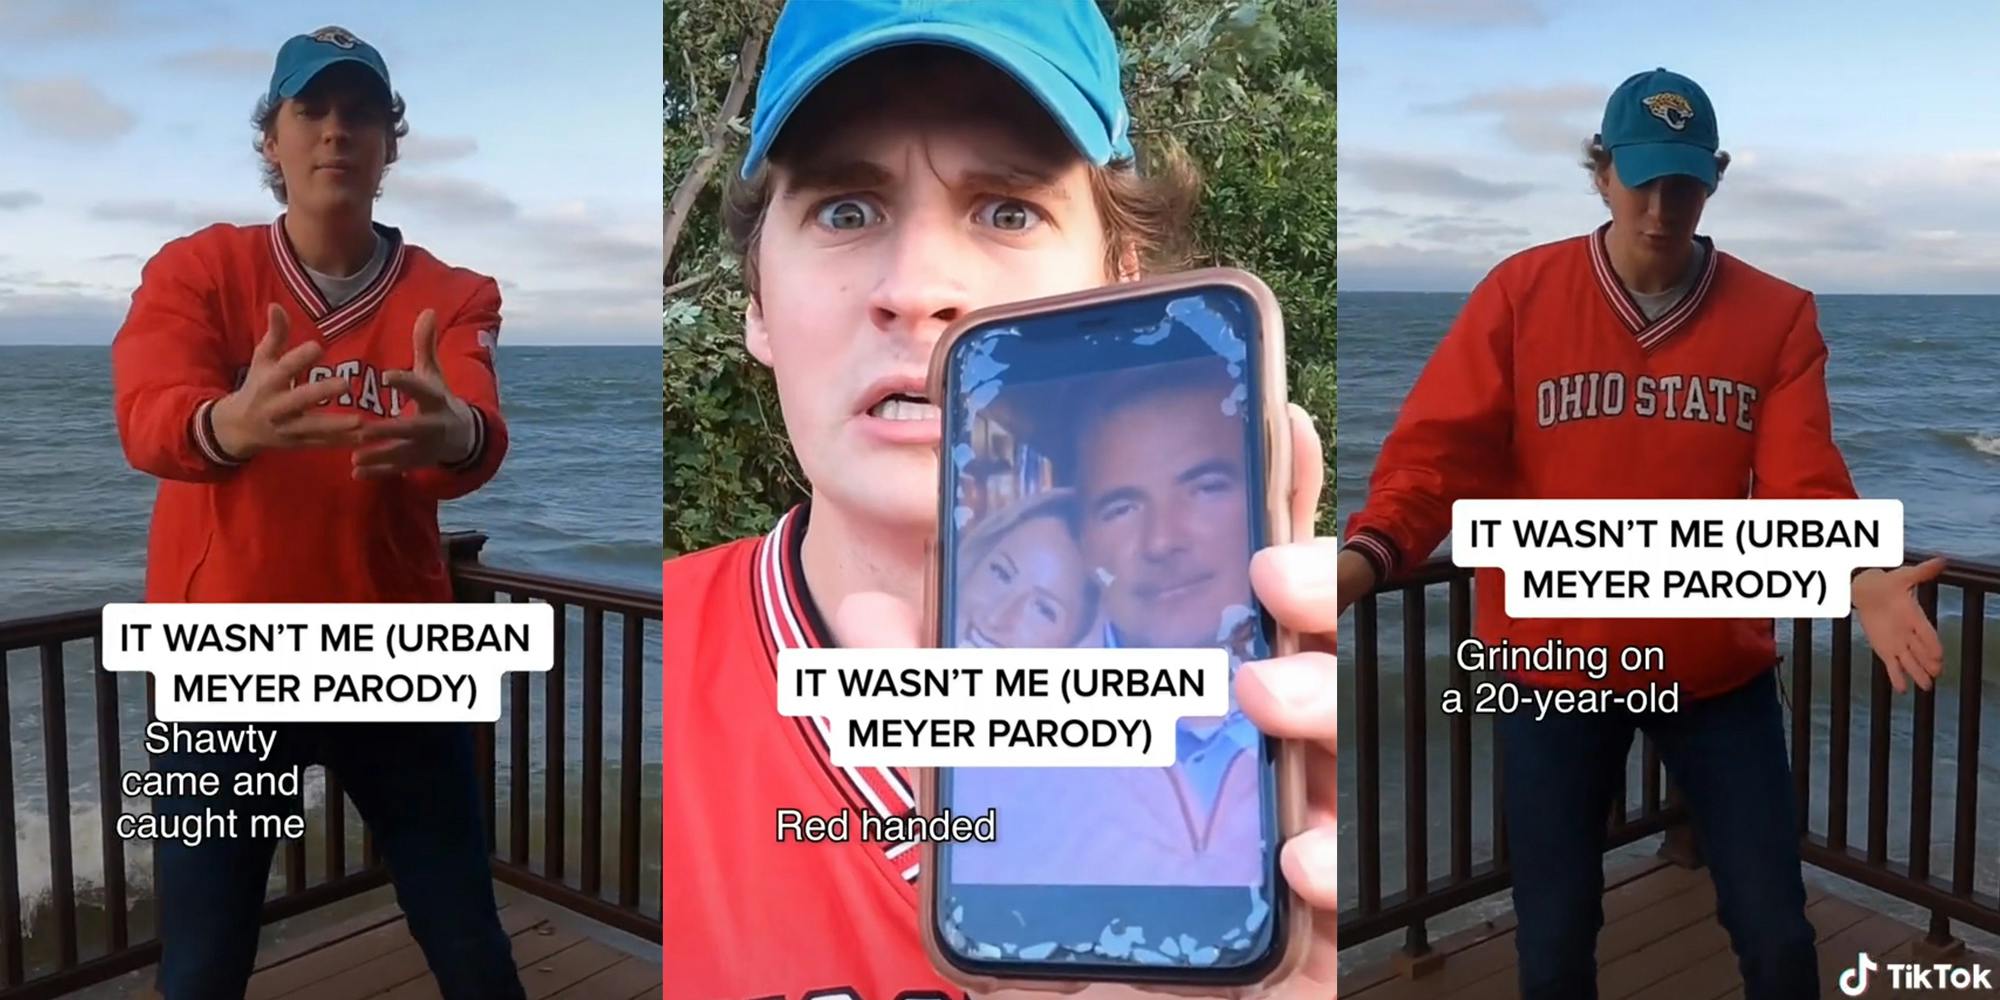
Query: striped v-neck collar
{"type": "Point", "coordinates": [332, 321]}
{"type": "Point", "coordinates": [1650, 335]}
{"type": "Point", "coordinates": [788, 619]}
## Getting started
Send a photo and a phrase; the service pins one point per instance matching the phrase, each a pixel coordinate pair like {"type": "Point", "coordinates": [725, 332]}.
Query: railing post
{"type": "Point", "coordinates": [1938, 945]}
{"type": "Point", "coordinates": [463, 546]}
{"type": "Point", "coordinates": [1416, 958]}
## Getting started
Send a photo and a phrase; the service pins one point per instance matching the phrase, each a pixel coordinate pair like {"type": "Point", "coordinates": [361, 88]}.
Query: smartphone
{"type": "Point", "coordinates": [1109, 461]}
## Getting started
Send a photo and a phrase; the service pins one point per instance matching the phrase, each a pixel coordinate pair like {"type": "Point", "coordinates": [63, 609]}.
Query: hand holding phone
{"type": "Point", "coordinates": [1292, 580]}
{"type": "Point", "coordinates": [1110, 461]}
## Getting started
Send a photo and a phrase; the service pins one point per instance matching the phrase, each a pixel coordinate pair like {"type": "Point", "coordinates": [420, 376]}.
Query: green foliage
{"type": "Point", "coordinates": [1246, 86]}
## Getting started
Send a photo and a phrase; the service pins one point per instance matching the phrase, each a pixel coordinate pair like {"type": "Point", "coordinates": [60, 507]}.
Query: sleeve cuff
{"type": "Point", "coordinates": [205, 441]}
{"type": "Point", "coordinates": [478, 452]}
{"type": "Point", "coordinates": [1378, 549]}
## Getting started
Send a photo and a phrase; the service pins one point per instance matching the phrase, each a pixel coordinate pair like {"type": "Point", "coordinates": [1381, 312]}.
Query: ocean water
{"type": "Point", "coordinates": [578, 496]}
{"type": "Point", "coordinates": [1916, 411]}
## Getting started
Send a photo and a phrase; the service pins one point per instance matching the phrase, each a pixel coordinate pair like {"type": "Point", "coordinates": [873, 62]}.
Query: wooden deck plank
{"type": "Point", "coordinates": [1632, 911]}
{"type": "Point", "coordinates": [1681, 948]}
{"type": "Point", "coordinates": [567, 968]}
{"type": "Point", "coordinates": [531, 944]}
{"type": "Point", "coordinates": [386, 933]}
{"type": "Point", "coordinates": [365, 964]}
{"type": "Point", "coordinates": [1661, 941]}
{"type": "Point", "coordinates": [372, 956]}
{"type": "Point", "coordinates": [1876, 935]}
{"type": "Point", "coordinates": [1474, 957]}
{"type": "Point", "coordinates": [628, 979]}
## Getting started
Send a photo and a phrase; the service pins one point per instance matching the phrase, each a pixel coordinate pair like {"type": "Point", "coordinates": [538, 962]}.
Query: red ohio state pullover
{"type": "Point", "coordinates": [1552, 384]}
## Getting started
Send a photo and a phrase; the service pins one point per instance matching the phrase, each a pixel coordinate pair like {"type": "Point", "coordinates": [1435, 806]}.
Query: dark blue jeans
{"type": "Point", "coordinates": [414, 784]}
{"type": "Point", "coordinates": [1727, 753]}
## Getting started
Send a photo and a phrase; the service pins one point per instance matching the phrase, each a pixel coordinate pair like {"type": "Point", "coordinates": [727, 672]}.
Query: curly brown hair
{"type": "Point", "coordinates": [265, 120]}
{"type": "Point", "coordinates": [1146, 203]}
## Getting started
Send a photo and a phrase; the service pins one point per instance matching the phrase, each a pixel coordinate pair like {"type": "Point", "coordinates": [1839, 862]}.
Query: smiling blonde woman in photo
{"type": "Point", "coordinates": [1023, 583]}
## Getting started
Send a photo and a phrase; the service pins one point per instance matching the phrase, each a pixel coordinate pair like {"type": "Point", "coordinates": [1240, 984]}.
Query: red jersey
{"type": "Point", "coordinates": [1553, 384]}
{"type": "Point", "coordinates": [294, 525]}
{"type": "Point", "coordinates": [748, 917]}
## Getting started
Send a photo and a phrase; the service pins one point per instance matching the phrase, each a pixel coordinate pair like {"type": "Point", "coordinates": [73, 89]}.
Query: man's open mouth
{"type": "Point", "coordinates": [903, 406]}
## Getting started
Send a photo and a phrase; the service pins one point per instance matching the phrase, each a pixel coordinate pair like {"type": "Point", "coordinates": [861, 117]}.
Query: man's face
{"type": "Point", "coordinates": [1166, 512]}
{"type": "Point", "coordinates": [1658, 217]}
{"type": "Point", "coordinates": [895, 224]}
{"type": "Point", "coordinates": [331, 142]}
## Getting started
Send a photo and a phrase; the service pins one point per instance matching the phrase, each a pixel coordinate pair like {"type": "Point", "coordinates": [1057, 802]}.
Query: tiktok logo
{"type": "Point", "coordinates": [1913, 976]}
{"type": "Point", "coordinates": [1855, 980]}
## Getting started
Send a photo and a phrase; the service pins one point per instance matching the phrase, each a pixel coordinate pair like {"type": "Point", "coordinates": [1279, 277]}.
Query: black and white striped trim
{"type": "Point", "coordinates": [1649, 335]}
{"type": "Point", "coordinates": [780, 600]}
{"type": "Point", "coordinates": [203, 430]}
{"type": "Point", "coordinates": [333, 322]}
{"type": "Point", "coordinates": [1378, 549]}
{"type": "Point", "coordinates": [471, 460]}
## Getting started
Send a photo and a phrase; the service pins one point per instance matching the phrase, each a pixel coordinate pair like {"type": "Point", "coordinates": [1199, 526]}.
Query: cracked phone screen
{"type": "Point", "coordinates": [1105, 491]}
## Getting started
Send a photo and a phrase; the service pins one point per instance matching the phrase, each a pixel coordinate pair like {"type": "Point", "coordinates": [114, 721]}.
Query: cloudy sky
{"type": "Point", "coordinates": [533, 154]}
{"type": "Point", "coordinates": [1865, 136]}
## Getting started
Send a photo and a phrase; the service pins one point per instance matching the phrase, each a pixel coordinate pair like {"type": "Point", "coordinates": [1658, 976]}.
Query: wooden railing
{"type": "Point", "coordinates": [1468, 875]}
{"type": "Point", "coordinates": [59, 965]}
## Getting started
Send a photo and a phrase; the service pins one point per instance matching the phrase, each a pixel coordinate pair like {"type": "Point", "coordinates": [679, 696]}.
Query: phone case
{"type": "Point", "coordinates": [1296, 934]}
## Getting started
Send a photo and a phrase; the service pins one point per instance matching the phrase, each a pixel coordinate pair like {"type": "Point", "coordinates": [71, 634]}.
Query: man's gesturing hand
{"type": "Point", "coordinates": [268, 411]}
{"type": "Point", "coordinates": [1885, 604]}
{"type": "Point", "coordinates": [439, 431]}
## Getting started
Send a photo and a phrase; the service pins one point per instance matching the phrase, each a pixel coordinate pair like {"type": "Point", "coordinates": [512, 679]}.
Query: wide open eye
{"type": "Point", "coordinates": [846, 214]}
{"type": "Point", "coordinates": [1011, 214]}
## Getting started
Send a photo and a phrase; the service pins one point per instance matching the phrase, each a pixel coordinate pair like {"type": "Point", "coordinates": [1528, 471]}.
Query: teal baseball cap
{"type": "Point", "coordinates": [1658, 124]}
{"type": "Point", "coordinates": [303, 57]}
{"type": "Point", "coordinates": [1061, 51]}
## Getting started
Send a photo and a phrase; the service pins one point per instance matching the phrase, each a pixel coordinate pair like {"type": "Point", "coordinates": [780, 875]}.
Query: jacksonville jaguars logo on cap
{"type": "Point", "coordinates": [336, 36]}
{"type": "Point", "coordinates": [1671, 108]}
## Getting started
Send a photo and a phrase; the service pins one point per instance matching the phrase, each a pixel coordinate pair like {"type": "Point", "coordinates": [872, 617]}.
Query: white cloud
{"type": "Point", "coordinates": [452, 198]}
{"type": "Point", "coordinates": [1557, 99]}
{"type": "Point", "coordinates": [588, 244]}
{"type": "Point", "coordinates": [42, 20]}
{"type": "Point", "coordinates": [222, 61]}
{"type": "Point", "coordinates": [419, 147]}
{"type": "Point", "coordinates": [1392, 173]}
{"type": "Point", "coordinates": [176, 214]}
{"type": "Point", "coordinates": [1452, 13]}
{"type": "Point", "coordinates": [1552, 119]}
{"type": "Point", "coordinates": [1462, 231]}
{"type": "Point", "coordinates": [69, 108]}
{"type": "Point", "coordinates": [10, 200]}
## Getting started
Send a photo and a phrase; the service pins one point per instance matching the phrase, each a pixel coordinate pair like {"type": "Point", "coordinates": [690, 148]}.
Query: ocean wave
{"type": "Point", "coordinates": [1984, 443]}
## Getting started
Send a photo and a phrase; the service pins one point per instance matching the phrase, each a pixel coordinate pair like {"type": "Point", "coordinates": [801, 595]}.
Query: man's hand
{"type": "Point", "coordinates": [1290, 697]}
{"type": "Point", "coordinates": [1885, 604]}
{"type": "Point", "coordinates": [268, 411]}
{"type": "Point", "coordinates": [438, 432]}
{"type": "Point", "coordinates": [1293, 697]}
{"type": "Point", "coordinates": [1357, 578]}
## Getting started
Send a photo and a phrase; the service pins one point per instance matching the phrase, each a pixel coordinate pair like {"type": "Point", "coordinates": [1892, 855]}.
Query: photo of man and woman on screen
{"type": "Point", "coordinates": [1114, 510]}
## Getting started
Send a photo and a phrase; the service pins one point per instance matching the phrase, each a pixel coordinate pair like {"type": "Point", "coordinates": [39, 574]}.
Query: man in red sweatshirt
{"type": "Point", "coordinates": [1638, 361]}
{"type": "Point", "coordinates": [908, 163]}
{"type": "Point", "coordinates": [307, 391]}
